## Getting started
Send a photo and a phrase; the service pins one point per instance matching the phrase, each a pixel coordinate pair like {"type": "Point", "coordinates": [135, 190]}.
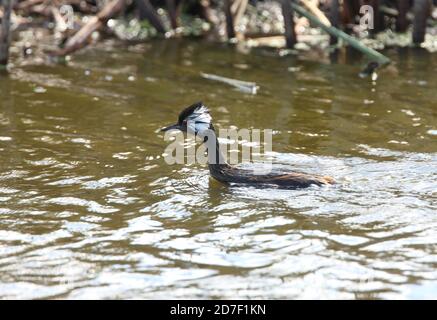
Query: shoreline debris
{"type": "Point", "coordinates": [372, 54]}
{"type": "Point", "coordinates": [80, 38]}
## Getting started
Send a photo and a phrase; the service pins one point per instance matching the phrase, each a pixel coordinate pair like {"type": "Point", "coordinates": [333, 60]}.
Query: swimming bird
{"type": "Point", "coordinates": [197, 119]}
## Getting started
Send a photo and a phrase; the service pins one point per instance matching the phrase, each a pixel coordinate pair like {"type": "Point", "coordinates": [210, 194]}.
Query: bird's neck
{"type": "Point", "coordinates": [215, 156]}
{"type": "Point", "coordinates": [216, 159]}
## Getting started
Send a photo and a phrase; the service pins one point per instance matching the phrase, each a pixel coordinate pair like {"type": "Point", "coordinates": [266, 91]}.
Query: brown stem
{"type": "Point", "coordinates": [5, 32]}
{"type": "Point", "coordinates": [230, 28]}
{"type": "Point", "coordinates": [401, 20]}
{"type": "Point", "coordinates": [207, 13]}
{"type": "Point", "coordinates": [334, 15]}
{"type": "Point", "coordinates": [172, 13]}
{"type": "Point", "coordinates": [422, 10]}
{"type": "Point", "coordinates": [147, 11]}
{"type": "Point", "coordinates": [80, 38]}
{"type": "Point", "coordinates": [288, 13]}
{"type": "Point", "coordinates": [378, 21]}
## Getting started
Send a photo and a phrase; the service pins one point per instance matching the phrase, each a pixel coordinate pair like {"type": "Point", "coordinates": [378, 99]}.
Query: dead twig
{"type": "Point", "coordinates": [207, 12]}
{"type": "Point", "coordinates": [314, 9]}
{"type": "Point", "coordinates": [25, 5]}
{"type": "Point", "coordinates": [80, 38]}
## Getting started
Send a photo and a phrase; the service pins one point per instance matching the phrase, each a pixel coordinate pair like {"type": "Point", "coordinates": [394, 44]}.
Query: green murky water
{"type": "Point", "coordinates": [89, 208]}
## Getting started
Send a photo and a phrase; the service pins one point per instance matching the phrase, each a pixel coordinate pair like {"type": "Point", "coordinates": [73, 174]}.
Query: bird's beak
{"type": "Point", "coordinates": [172, 127]}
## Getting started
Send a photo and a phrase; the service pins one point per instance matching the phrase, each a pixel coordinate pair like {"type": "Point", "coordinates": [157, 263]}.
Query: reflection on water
{"type": "Point", "coordinates": [89, 208]}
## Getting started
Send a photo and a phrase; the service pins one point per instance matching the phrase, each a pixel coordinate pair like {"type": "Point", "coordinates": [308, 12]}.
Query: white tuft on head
{"type": "Point", "coordinates": [199, 121]}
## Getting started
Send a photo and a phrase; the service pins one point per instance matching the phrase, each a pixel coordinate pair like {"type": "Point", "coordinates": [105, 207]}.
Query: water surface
{"type": "Point", "coordinates": [89, 208]}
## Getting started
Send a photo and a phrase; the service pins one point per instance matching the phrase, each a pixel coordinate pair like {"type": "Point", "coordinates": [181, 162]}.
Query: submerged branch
{"type": "Point", "coordinates": [244, 86]}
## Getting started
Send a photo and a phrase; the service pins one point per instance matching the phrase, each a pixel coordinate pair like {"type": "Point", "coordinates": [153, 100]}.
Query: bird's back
{"type": "Point", "coordinates": [230, 174]}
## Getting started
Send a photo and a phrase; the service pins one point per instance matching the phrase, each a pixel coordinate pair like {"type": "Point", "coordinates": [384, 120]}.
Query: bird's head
{"type": "Point", "coordinates": [193, 119]}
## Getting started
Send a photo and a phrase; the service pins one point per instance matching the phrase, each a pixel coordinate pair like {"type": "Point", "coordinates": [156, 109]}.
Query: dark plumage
{"type": "Point", "coordinates": [223, 172]}
{"type": "Point", "coordinates": [229, 174]}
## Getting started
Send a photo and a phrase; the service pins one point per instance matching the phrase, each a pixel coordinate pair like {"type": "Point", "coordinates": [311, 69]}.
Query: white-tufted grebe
{"type": "Point", "coordinates": [197, 119]}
